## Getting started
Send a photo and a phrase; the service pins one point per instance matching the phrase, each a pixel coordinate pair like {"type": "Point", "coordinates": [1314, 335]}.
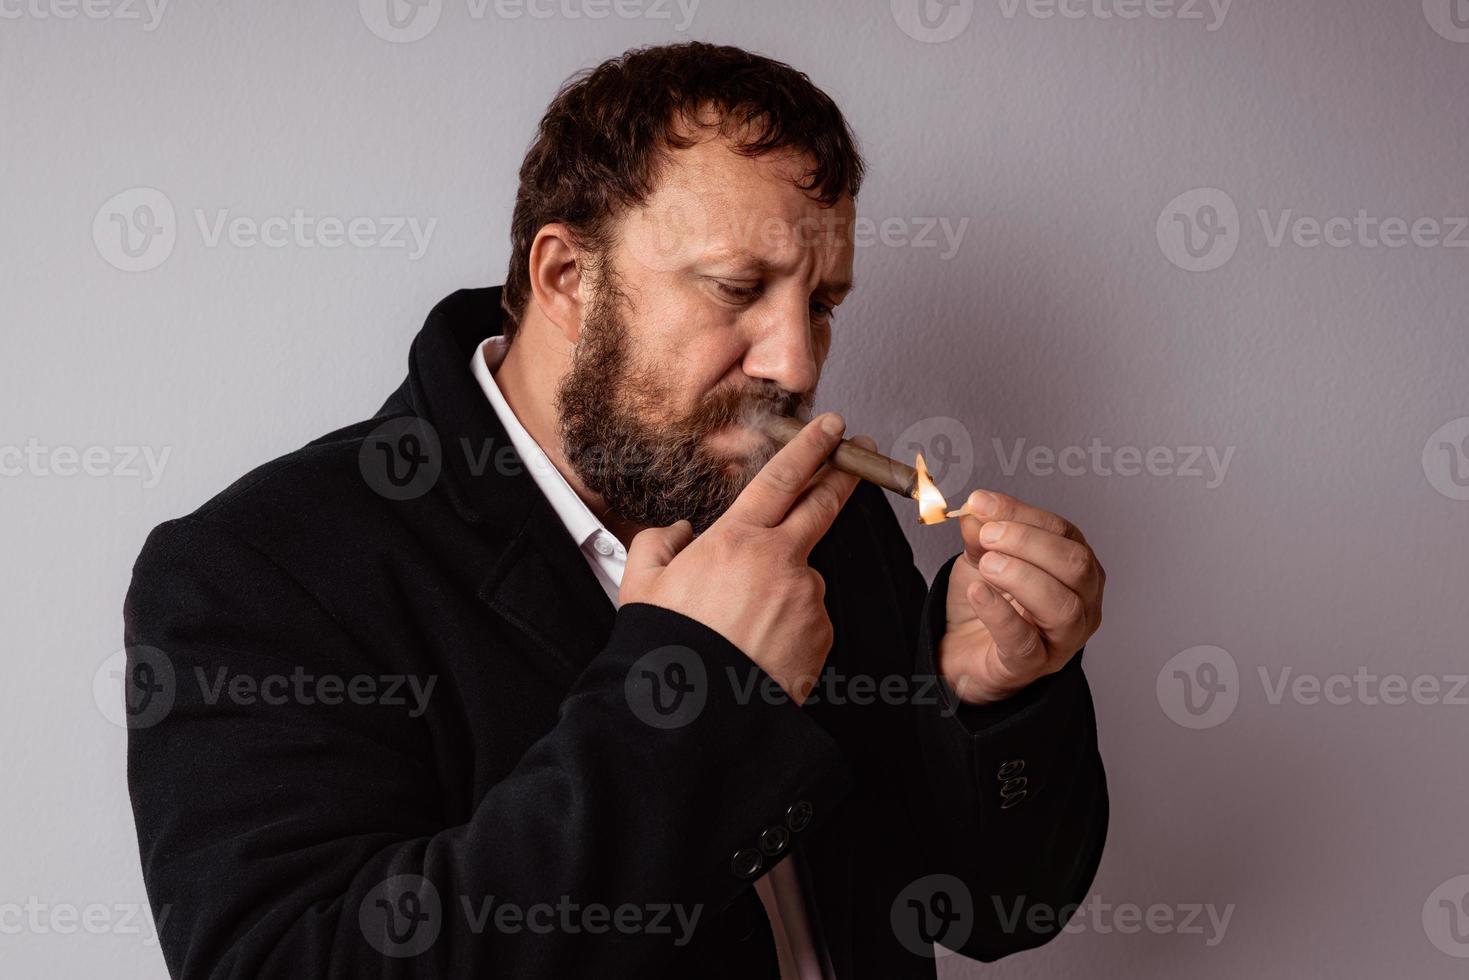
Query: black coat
{"type": "Point", "coordinates": [304, 810]}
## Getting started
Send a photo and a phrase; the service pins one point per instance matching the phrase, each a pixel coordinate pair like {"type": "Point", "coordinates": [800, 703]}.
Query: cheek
{"type": "Point", "coordinates": [689, 349]}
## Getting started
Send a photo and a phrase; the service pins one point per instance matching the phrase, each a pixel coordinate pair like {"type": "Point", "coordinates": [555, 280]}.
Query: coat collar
{"type": "Point", "coordinates": [532, 572]}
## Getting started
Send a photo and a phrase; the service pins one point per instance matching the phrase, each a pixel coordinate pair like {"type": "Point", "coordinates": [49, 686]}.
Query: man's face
{"type": "Point", "coordinates": [717, 310]}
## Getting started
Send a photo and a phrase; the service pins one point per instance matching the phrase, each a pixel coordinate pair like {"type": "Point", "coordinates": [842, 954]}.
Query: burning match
{"type": "Point", "coordinates": [906, 481]}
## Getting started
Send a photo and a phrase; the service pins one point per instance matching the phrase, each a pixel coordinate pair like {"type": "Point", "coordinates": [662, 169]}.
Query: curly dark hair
{"type": "Point", "coordinates": [600, 144]}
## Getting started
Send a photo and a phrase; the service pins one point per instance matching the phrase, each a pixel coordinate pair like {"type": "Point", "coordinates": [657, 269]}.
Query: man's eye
{"type": "Point", "coordinates": [821, 311]}
{"type": "Point", "coordinates": [742, 293]}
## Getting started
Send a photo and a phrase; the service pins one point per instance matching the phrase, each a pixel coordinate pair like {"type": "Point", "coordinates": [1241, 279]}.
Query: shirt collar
{"type": "Point", "coordinates": [573, 511]}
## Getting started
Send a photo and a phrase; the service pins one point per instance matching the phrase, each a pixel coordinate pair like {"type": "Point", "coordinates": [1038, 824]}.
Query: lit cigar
{"type": "Point", "coordinates": [899, 478]}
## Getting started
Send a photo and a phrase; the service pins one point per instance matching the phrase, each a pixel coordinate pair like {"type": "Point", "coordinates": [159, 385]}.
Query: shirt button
{"type": "Point", "coordinates": [602, 546]}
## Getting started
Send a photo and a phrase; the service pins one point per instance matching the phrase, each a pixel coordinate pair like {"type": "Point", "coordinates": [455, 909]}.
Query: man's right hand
{"type": "Point", "coordinates": [747, 577]}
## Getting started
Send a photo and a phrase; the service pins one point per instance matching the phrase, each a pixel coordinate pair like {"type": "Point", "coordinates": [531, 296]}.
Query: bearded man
{"type": "Point", "coordinates": [558, 666]}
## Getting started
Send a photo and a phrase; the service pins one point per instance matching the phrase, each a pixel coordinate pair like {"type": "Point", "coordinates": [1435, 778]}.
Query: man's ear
{"type": "Point", "coordinates": [556, 279]}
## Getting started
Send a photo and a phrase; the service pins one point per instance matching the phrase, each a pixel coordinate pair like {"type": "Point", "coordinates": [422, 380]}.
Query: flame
{"type": "Point", "coordinates": [932, 508]}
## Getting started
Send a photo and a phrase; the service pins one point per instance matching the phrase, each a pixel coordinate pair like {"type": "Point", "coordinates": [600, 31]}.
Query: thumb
{"type": "Point", "coordinates": [653, 548]}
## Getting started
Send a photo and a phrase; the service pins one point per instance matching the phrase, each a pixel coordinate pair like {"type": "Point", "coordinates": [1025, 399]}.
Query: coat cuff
{"type": "Point", "coordinates": [1012, 747]}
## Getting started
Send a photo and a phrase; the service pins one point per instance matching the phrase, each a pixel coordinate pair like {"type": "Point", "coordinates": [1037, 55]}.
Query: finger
{"type": "Point", "coordinates": [969, 530]}
{"type": "Point", "coordinates": [767, 498]}
{"type": "Point", "coordinates": [989, 505]}
{"type": "Point", "coordinates": [1059, 612]}
{"type": "Point", "coordinates": [813, 514]}
{"type": "Point", "coordinates": [1022, 649]}
{"type": "Point", "coordinates": [1070, 562]}
{"type": "Point", "coordinates": [653, 548]}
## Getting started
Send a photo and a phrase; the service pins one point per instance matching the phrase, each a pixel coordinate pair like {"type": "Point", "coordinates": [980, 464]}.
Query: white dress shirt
{"type": "Point", "coordinates": [780, 888]}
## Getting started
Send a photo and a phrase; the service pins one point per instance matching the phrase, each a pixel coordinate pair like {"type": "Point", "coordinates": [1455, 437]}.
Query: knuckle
{"type": "Point", "coordinates": [784, 476]}
{"type": "Point", "coordinates": [1072, 609]}
{"type": "Point", "coordinates": [731, 538]}
{"type": "Point", "coordinates": [817, 584]}
{"type": "Point", "coordinates": [1029, 644]}
{"type": "Point", "coordinates": [827, 500]}
{"type": "Point", "coordinates": [1078, 563]}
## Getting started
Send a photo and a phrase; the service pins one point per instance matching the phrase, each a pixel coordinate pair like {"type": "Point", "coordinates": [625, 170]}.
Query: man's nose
{"type": "Point", "coordinates": [784, 350]}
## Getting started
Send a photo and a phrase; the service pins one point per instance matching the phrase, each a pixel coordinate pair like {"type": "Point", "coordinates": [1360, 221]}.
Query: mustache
{"type": "Point", "coordinates": [748, 407]}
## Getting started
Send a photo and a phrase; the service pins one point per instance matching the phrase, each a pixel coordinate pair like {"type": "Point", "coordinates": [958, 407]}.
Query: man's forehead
{"type": "Point", "coordinates": [712, 204]}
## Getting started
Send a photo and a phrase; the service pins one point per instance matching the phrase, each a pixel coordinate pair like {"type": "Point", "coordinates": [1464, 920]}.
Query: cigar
{"type": "Point", "coordinates": [850, 458]}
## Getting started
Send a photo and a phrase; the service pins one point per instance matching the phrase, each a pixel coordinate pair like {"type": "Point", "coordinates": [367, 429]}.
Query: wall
{"type": "Point", "coordinates": [1066, 156]}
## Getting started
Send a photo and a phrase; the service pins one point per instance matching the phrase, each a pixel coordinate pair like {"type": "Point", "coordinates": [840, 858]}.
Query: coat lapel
{"type": "Point", "coordinates": [532, 574]}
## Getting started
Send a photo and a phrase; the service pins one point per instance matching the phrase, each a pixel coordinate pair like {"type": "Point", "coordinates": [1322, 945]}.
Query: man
{"type": "Point", "coordinates": [556, 667]}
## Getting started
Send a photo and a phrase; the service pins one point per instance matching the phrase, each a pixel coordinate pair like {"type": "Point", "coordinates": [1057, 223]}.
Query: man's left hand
{"type": "Point", "coordinates": [1023, 598]}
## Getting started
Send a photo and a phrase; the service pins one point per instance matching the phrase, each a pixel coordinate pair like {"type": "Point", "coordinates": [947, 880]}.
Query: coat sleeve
{"type": "Point", "coordinates": [282, 837]}
{"type": "Point", "coordinates": [1015, 793]}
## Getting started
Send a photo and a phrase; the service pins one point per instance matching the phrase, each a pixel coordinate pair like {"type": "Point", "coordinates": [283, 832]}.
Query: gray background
{"type": "Point", "coordinates": [1335, 540]}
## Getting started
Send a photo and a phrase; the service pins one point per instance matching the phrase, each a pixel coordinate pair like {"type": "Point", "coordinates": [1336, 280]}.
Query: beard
{"type": "Point", "coordinates": [649, 466]}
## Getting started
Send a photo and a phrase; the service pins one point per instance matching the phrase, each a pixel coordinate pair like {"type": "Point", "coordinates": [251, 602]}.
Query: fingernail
{"type": "Point", "coordinates": [983, 503]}
{"type": "Point", "coordinates": [993, 561]}
{"type": "Point", "coordinates": [992, 532]}
{"type": "Point", "coordinates": [833, 424]}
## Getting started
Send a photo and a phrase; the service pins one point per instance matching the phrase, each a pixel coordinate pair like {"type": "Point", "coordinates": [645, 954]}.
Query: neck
{"type": "Point", "coordinates": [531, 368]}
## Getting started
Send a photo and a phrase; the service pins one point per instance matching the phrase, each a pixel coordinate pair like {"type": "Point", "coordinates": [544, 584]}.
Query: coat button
{"type": "Point", "coordinates": [775, 840]}
{"type": "Point", "coordinates": [1012, 799]}
{"type": "Point", "coordinates": [798, 816]}
{"type": "Point", "coordinates": [746, 862]}
{"type": "Point", "coordinates": [1010, 769]}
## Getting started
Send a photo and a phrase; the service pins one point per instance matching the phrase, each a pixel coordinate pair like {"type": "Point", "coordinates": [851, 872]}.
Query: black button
{"type": "Point", "coordinates": [746, 862]}
{"type": "Point", "coordinates": [775, 840]}
{"type": "Point", "coordinates": [1012, 768]}
{"type": "Point", "coordinates": [798, 817]}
